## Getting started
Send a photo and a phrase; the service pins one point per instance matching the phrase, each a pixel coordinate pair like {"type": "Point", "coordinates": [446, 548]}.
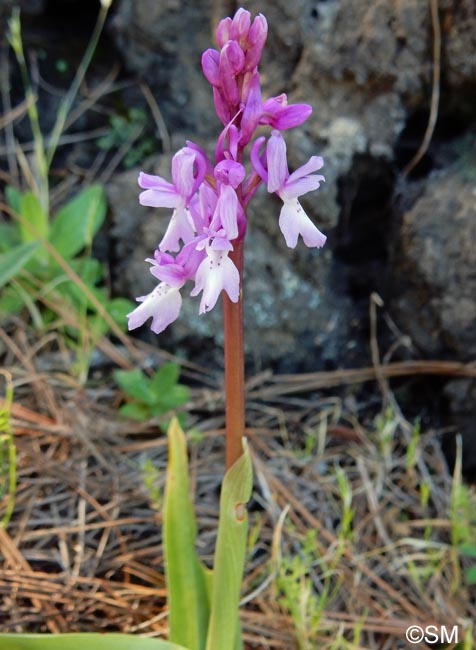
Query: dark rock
{"type": "Point", "coordinates": [162, 42]}
{"type": "Point", "coordinates": [461, 397]}
{"type": "Point", "coordinates": [435, 266]}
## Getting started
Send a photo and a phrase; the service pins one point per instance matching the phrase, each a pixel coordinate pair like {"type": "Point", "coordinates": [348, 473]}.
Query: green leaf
{"type": "Point", "coordinates": [135, 384]}
{"type": "Point", "coordinates": [10, 301]}
{"type": "Point", "coordinates": [172, 399]}
{"type": "Point", "coordinates": [33, 213]}
{"type": "Point", "coordinates": [468, 549]}
{"type": "Point", "coordinates": [13, 198]}
{"type": "Point", "coordinates": [188, 597]}
{"type": "Point", "coordinates": [135, 411]}
{"type": "Point", "coordinates": [78, 221]}
{"type": "Point", "coordinates": [471, 575]}
{"type": "Point", "coordinates": [230, 552]}
{"type": "Point", "coordinates": [14, 260]}
{"type": "Point", "coordinates": [169, 394]}
{"type": "Point", "coordinates": [118, 308]}
{"type": "Point", "coordinates": [9, 236]}
{"type": "Point", "coordinates": [92, 641]}
{"type": "Point", "coordinates": [165, 377]}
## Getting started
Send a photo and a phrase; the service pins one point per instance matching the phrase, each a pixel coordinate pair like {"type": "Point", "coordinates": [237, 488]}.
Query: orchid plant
{"type": "Point", "coordinates": [203, 244]}
{"type": "Point", "coordinates": [204, 239]}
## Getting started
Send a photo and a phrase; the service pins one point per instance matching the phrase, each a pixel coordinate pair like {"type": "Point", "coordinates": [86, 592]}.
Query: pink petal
{"type": "Point", "coordinates": [182, 171]}
{"type": "Point", "coordinates": [159, 193]}
{"type": "Point", "coordinates": [210, 66]}
{"type": "Point", "coordinates": [227, 212]}
{"type": "Point", "coordinates": [256, 40]}
{"type": "Point", "coordinates": [256, 159]}
{"type": "Point", "coordinates": [313, 165]}
{"type": "Point", "coordinates": [277, 163]}
{"type": "Point", "coordinates": [300, 186]}
{"type": "Point", "coordinates": [252, 111]}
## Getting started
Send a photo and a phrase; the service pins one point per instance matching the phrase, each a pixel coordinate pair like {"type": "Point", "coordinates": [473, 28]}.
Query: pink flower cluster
{"type": "Point", "coordinates": [209, 201]}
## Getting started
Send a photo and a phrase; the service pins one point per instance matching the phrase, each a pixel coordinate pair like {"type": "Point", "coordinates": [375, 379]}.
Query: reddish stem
{"type": "Point", "coordinates": [234, 366]}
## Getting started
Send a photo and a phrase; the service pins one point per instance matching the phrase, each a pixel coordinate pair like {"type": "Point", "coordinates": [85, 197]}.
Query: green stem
{"type": "Point", "coordinates": [38, 143]}
{"type": "Point", "coordinates": [7, 440]}
{"type": "Point", "coordinates": [234, 367]}
{"type": "Point", "coordinates": [69, 98]}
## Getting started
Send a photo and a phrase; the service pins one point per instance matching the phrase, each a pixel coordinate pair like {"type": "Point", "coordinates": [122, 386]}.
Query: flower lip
{"type": "Point", "coordinates": [162, 304]}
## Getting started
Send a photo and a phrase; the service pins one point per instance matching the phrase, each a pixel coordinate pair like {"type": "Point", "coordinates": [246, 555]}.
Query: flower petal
{"type": "Point", "coordinates": [313, 165]}
{"type": "Point", "coordinates": [277, 164]}
{"type": "Point", "coordinates": [183, 165]}
{"type": "Point", "coordinates": [180, 228]}
{"type": "Point", "coordinates": [252, 111]}
{"type": "Point", "coordinates": [159, 193]}
{"type": "Point", "coordinates": [293, 221]}
{"type": "Point", "coordinates": [257, 159]}
{"type": "Point", "coordinates": [162, 305]}
{"type": "Point", "coordinates": [226, 213]}
{"type": "Point", "coordinates": [215, 274]}
{"type": "Point", "coordinates": [300, 186]}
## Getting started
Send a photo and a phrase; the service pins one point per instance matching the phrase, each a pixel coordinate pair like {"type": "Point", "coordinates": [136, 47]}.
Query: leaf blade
{"type": "Point", "coordinates": [230, 551]}
{"type": "Point", "coordinates": [186, 577]}
{"type": "Point", "coordinates": [15, 259]}
{"type": "Point", "coordinates": [76, 223]}
{"type": "Point", "coordinates": [78, 641]}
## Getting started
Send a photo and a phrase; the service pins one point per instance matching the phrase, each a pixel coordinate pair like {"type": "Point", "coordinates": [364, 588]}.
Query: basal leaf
{"type": "Point", "coordinates": [173, 398]}
{"type": "Point", "coordinates": [166, 377]}
{"type": "Point", "coordinates": [135, 384]}
{"type": "Point", "coordinates": [10, 301]}
{"type": "Point", "coordinates": [86, 641]}
{"type": "Point", "coordinates": [9, 235]}
{"type": "Point", "coordinates": [13, 198]}
{"type": "Point", "coordinates": [77, 222]}
{"type": "Point", "coordinates": [35, 216]}
{"type": "Point", "coordinates": [135, 411]}
{"type": "Point", "coordinates": [185, 574]}
{"type": "Point", "coordinates": [230, 552]}
{"type": "Point", "coordinates": [118, 308]}
{"type": "Point", "coordinates": [15, 259]}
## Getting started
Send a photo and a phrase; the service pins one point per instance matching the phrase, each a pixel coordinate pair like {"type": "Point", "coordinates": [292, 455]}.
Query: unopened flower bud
{"type": "Point", "coordinates": [256, 40]}
{"type": "Point", "coordinates": [223, 31]}
{"type": "Point", "coordinates": [240, 26]}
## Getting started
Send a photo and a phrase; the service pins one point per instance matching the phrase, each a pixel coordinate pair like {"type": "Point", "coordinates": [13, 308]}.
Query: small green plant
{"type": "Point", "coordinates": [297, 593]}
{"type": "Point", "coordinates": [125, 128]}
{"type": "Point", "coordinates": [463, 522]}
{"type": "Point", "coordinates": [32, 274]}
{"type": "Point", "coordinates": [42, 255]}
{"type": "Point", "coordinates": [386, 426]}
{"type": "Point", "coordinates": [345, 493]}
{"type": "Point", "coordinates": [152, 397]}
{"type": "Point", "coordinates": [150, 476]}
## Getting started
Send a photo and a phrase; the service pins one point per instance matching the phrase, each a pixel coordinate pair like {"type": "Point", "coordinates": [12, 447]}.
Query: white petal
{"type": "Point", "coordinates": [162, 305]}
{"type": "Point", "coordinates": [293, 222]}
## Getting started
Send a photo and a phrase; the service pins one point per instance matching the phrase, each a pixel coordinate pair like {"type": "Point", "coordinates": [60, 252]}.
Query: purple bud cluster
{"type": "Point", "coordinates": [209, 200]}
